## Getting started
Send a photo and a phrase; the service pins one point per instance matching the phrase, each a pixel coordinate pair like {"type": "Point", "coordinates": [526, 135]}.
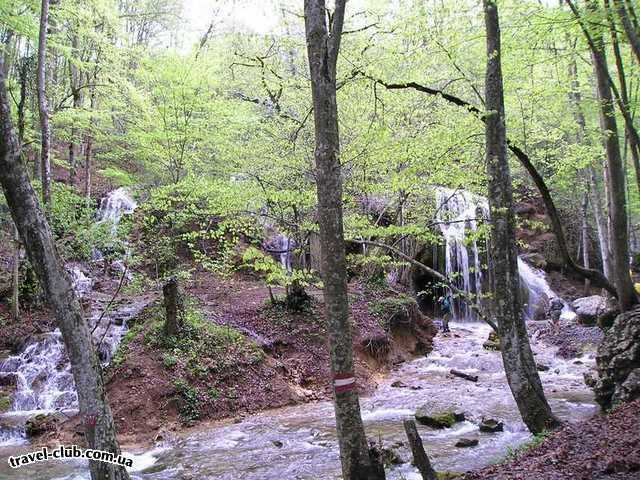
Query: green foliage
{"type": "Point", "coordinates": [169, 360]}
{"type": "Point", "coordinates": [388, 308]}
{"type": "Point", "coordinates": [198, 217]}
{"type": "Point", "coordinates": [117, 176]}
{"type": "Point", "coordinates": [190, 403]}
{"type": "Point", "coordinates": [536, 440]}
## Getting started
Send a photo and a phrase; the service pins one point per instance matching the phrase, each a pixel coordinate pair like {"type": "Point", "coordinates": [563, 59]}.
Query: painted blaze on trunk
{"type": "Point", "coordinates": [323, 43]}
{"type": "Point", "coordinates": [517, 356]}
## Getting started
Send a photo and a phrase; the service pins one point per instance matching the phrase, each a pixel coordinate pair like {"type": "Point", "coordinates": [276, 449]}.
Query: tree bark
{"type": "Point", "coordinates": [629, 28]}
{"type": "Point", "coordinates": [74, 81]}
{"type": "Point", "coordinates": [43, 108]}
{"type": "Point", "coordinates": [15, 276]}
{"type": "Point", "coordinates": [615, 175]}
{"type": "Point", "coordinates": [41, 250]}
{"type": "Point", "coordinates": [519, 364]}
{"type": "Point", "coordinates": [630, 130]}
{"type": "Point", "coordinates": [323, 44]}
{"type": "Point", "coordinates": [585, 240]}
{"type": "Point", "coordinates": [420, 457]}
{"type": "Point", "coordinates": [172, 307]}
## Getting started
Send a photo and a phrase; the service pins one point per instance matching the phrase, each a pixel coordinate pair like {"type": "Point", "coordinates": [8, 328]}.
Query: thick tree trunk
{"type": "Point", "coordinates": [517, 356]}
{"type": "Point", "coordinates": [41, 251]}
{"type": "Point", "coordinates": [420, 457]}
{"type": "Point", "coordinates": [43, 108]}
{"type": "Point", "coordinates": [615, 176]}
{"type": "Point", "coordinates": [631, 132]}
{"type": "Point", "coordinates": [323, 44]}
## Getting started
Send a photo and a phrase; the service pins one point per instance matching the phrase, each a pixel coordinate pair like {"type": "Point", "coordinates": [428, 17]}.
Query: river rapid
{"type": "Point", "coordinates": [300, 442]}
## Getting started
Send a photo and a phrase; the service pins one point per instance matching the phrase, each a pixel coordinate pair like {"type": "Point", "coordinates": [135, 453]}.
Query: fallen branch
{"type": "Point", "coordinates": [466, 376]}
{"type": "Point", "coordinates": [420, 457]}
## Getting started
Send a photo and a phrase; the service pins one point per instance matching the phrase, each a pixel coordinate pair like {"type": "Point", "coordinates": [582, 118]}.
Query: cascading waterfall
{"type": "Point", "coordinates": [42, 372]}
{"type": "Point", "coordinates": [459, 214]}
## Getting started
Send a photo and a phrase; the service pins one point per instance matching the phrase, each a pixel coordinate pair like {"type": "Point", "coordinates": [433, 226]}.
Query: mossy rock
{"type": "Point", "coordinates": [5, 403]}
{"type": "Point", "coordinates": [442, 419]}
{"type": "Point", "coordinates": [448, 475]}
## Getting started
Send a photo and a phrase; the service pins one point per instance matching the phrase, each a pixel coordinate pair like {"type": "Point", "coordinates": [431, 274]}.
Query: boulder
{"type": "Point", "coordinates": [439, 419]}
{"type": "Point", "coordinates": [594, 310]}
{"type": "Point", "coordinates": [466, 442]}
{"type": "Point", "coordinates": [492, 343]}
{"type": "Point", "coordinates": [41, 423]}
{"type": "Point", "coordinates": [489, 425]}
{"type": "Point", "coordinates": [618, 362]}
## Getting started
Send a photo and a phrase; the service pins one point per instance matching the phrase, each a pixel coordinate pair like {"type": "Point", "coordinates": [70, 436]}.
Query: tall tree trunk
{"type": "Point", "coordinates": [585, 240]}
{"type": "Point", "coordinates": [630, 130]}
{"type": "Point", "coordinates": [38, 241]}
{"type": "Point", "coordinates": [629, 28]}
{"type": "Point", "coordinates": [519, 364]}
{"type": "Point", "coordinates": [615, 174]}
{"type": "Point", "coordinates": [43, 108]}
{"type": "Point", "coordinates": [590, 174]}
{"type": "Point", "coordinates": [88, 147]}
{"type": "Point", "coordinates": [74, 81]}
{"type": "Point", "coordinates": [601, 224]}
{"type": "Point", "coordinates": [323, 44]}
{"type": "Point", "coordinates": [15, 275]}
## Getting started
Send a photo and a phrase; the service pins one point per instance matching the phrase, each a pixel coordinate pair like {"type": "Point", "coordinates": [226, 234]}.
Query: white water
{"type": "Point", "coordinates": [246, 450]}
{"type": "Point", "coordinates": [44, 381]}
{"type": "Point", "coordinates": [459, 215]}
{"type": "Point", "coordinates": [117, 203]}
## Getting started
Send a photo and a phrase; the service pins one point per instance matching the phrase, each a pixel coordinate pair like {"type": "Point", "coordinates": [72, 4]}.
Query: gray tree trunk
{"type": "Point", "coordinates": [323, 43]}
{"type": "Point", "coordinates": [172, 307]}
{"type": "Point", "coordinates": [519, 364]}
{"type": "Point", "coordinates": [43, 108]}
{"type": "Point", "coordinates": [15, 276]}
{"type": "Point", "coordinates": [629, 28]}
{"type": "Point", "coordinates": [615, 175]}
{"type": "Point", "coordinates": [420, 457]}
{"type": "Point", "coordinates": [38, 241]}
{"type": "Point", "coordinates": [74, 80]}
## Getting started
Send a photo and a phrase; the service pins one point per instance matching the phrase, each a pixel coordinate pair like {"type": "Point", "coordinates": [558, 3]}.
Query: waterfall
{"type": "Point", "coordinates": [459, 214]}
{"type": "Point", "coordinates": [44, 380]}
{"type": "Point", "coordinates": [116, 204]}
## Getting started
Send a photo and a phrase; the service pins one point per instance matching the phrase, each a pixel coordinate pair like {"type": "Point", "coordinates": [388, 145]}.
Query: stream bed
{"type": "Point", "coordinates": [300, 443]}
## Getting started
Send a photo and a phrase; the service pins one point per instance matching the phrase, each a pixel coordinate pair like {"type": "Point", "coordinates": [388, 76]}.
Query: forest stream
{"type": "Point", "coordinates": [299, 442]}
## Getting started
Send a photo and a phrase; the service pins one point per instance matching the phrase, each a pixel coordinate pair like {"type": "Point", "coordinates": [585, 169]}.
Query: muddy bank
{"type": "Point", "coordinates": [246, 356]}
{"type": "Point", "coordinates": [602, 447]}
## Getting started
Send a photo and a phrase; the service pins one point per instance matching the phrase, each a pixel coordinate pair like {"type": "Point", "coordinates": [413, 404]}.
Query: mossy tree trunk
{"type": "Point", "coordinates": [41, 250]}
{"type": "Point", "coordinates": [519, 364]}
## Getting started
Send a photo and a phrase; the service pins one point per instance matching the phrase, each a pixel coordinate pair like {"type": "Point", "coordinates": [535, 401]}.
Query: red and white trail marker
{"type": "Point", "coordinates": [344, 382]}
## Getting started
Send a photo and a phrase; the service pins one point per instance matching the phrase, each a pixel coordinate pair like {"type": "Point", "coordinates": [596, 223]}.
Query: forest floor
{"type": "Point", "coordinates": [603, 447]}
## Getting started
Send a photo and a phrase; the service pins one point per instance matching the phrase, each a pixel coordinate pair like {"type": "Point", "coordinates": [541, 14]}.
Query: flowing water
{"type": "Point", "coordinates": [250, 450]}
{"type": "Point", "coordinates": [300, 442]}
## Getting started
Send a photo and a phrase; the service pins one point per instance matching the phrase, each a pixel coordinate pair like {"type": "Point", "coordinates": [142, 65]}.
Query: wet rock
{"type": "Point", "coordinates": [466, 442]}
{"type": "Point", "coordinates": [399, 384]}
{"type": "Point", "coordinates": [441, 419]}
{"type": "Point", "coordinates": [277, 444]}
{"type": "Point", "coordinates": [542, 368]}
{"type": "Point", "coordinates": [489, 425]}
{"type": "Point", "coordinates": [5, 402]}
{"type": "Point", "coordinates": [618, 362]}
{"type": "Point", "coordinates": [390, 456]}
{"type": "Point", "coordinates": [8, 379]}
{"type": "Point", "coordinates": [594, 310]}
{"type": "Point", "coordinates": [492, 343]}
{"type": "Point", "coordinates": [40, 424]}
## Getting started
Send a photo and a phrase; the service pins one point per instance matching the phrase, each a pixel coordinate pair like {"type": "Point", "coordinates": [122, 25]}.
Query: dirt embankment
{"type": "Point", "coordinates": [605, 447]}
{"type": "Point", "coordinates": [245, 355]}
